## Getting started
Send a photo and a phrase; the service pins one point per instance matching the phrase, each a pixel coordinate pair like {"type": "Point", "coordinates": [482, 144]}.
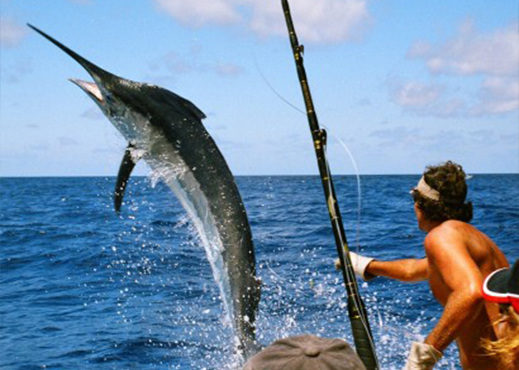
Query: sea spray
{"type": "Point", "coordinates": [62, 285]}
{"type": "Point", "coordinates": [203, 227]}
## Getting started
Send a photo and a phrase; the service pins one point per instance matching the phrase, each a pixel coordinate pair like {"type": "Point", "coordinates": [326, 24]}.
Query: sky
{"type": "Point", "coordinates": [403, 84]}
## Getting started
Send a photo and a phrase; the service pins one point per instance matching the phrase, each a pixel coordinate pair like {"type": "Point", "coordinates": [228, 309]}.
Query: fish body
{"type": "Point", "coordinates": [166, 131]}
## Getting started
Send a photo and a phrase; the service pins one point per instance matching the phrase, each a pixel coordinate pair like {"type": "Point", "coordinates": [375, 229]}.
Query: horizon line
{"type": "Point", "coordinates": [252, 175]}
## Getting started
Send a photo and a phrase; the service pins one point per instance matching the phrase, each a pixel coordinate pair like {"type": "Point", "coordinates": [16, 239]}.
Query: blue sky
{"type": "Point", "coordinates": [403, 84]}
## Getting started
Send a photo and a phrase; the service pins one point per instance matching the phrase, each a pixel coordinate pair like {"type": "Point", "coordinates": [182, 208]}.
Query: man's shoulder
{"type": "Point", "coordinates": [451, 227]}
{"type": "Point", "coordinates": [447, 234]}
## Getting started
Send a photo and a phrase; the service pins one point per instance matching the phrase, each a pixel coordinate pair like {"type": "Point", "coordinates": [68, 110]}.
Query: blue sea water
{"type": "Point", "coordinates": [81, 287]}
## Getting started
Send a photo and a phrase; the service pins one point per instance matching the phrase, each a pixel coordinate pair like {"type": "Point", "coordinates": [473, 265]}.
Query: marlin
{"type": "Point", "coordinates": [166, 131]}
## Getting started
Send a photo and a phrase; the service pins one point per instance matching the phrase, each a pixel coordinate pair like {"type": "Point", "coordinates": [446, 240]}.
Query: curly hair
{"type": "Point", "coordinates": [449, 180]}
{"type": "Point", "coordinates": [506, 349]}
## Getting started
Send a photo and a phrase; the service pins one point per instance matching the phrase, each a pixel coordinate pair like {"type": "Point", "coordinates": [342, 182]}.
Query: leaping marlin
{"type": "Point", "coordinates": [166, 131]}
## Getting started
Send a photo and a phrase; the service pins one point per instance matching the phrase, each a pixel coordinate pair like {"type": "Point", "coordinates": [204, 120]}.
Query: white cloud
{"type": "Point", "coordinates": [11, 33]}
{"type": "Point", "coordinates": [426, 99]}
{"type": "Point", "coordinates": [192, 62]}
{"type": "Point", "coordinates": [491, 58]}
{"type": "Point", "coordinates": [495, 53]}
{"type": "Point", "coordinates": [175, 63]}
{"type": "Point", "coordinates": [415, 94]}
{"type": "Point", "coordinates": [200, 12]}
{"type": "Point", "coordinates": [316, 21]}
{"type": "Point", "coordinates": [441, 141]}
{"type": "Point", "coordinates": [498, 95]}
{"type": "Point", "coordinates": [227, 69]}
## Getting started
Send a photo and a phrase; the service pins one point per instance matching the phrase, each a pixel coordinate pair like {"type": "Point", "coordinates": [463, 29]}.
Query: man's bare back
{"type": "Point", "coordinates": [459, 258]}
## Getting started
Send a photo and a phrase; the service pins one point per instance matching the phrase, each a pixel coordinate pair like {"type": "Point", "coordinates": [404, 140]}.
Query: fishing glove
{"type": "Point", "coordinates": [359, 263]}
{"type": "Point", "coordinates": [422, 357]}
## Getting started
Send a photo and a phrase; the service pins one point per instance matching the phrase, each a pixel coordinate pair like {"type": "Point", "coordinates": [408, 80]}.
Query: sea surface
{"type": "Point", "coordinates": [84, 288]}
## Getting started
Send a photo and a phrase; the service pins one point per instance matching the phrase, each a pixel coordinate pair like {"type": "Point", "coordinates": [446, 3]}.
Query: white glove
{"type": "Point", "coordinates": [422, 357]}
{"type": "Point", "coordinates": [359, 263]}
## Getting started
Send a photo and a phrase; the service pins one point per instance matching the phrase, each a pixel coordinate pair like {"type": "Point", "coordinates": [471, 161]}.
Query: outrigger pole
{"type": "Point", "coordinates": [356, 309]}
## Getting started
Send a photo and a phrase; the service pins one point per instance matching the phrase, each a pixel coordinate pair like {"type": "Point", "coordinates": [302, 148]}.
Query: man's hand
{"type": "Point", "coordinates": [422, 357]}
{"type": "Point", "coordinates": [359, 263]}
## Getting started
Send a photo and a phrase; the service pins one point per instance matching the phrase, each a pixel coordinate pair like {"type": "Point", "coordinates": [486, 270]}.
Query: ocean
{"type": "Point", "coordinates": [82, 287]}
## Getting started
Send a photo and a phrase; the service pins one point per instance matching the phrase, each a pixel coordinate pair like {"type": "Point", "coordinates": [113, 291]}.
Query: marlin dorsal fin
{"type": "Point", "coordinates": [127, 164]}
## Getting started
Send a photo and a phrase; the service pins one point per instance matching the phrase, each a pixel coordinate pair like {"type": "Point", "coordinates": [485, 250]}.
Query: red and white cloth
{"type": "Point", "coordinates": [502, 286]}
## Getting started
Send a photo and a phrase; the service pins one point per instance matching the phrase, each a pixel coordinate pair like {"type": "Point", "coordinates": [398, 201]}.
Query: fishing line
{"type": "Point", "coordinates": [356, 309]}
{"type": "Point", "coordinates": [357, 174]}
{"type": "Point", "coordinates": [357, 300]}
{"type": "Point", "coordinates": [272, 87]}
{"type": "Point", "coordinates": [341, 142]}
{"type": "Point", "coordinates": [273, 272]}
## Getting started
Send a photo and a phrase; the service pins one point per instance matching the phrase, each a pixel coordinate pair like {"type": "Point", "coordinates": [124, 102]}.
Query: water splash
{"type": "Point", "coordinates": [204, 225]}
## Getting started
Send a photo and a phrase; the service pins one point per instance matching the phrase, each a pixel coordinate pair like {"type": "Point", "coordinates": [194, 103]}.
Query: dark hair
{"type": "Point", "coordinates": [449, 180]}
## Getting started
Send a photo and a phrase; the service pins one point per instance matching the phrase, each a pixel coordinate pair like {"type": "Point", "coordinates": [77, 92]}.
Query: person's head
{"type": "Point", "coordinates": [441, 193]}
{"type": "Point", "coordinates": [306, 352]}
{"type": "Point", "coordinates": [502, 287]}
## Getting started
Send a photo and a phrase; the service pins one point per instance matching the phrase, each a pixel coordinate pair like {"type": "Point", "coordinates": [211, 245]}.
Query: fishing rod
{"type": "Point", "coordinates": [356, 308]}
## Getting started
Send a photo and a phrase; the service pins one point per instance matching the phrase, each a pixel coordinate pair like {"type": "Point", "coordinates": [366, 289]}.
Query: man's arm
{"type": "Point", "coordinates": [408, 270]}
{"type": "Point", "coordinates": [448, 256]}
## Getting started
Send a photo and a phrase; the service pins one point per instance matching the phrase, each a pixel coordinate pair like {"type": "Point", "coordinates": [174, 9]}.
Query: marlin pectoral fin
{"type": "Point", "coordinates": [128, 163]}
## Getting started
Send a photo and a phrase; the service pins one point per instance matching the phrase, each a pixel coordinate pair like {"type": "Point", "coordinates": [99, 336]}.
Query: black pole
{"type": "Point", "coordinates": [356, 309]}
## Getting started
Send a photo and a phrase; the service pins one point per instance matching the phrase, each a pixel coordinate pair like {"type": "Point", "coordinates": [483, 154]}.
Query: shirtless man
{"type": "Point", "coordinates": [458, 259]}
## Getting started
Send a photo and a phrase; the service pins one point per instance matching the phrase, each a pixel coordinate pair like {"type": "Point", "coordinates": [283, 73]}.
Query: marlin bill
{"type": "Point", "coordinates": [166, 131]}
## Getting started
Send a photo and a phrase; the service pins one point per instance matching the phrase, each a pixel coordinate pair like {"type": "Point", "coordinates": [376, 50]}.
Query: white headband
{"type": "Point", "coordinates": [427, 191]}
